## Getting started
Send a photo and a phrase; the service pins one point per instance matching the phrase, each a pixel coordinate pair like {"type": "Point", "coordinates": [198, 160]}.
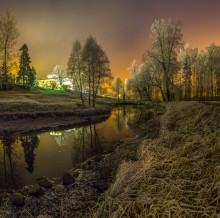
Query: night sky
{"type": "Point", "coordinates": [122, 27]}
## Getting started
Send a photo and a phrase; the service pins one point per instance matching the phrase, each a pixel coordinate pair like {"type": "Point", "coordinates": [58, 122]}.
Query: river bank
{"type": "Point", "coordinates": [47, 123]}
{"type": "Point", "coordinates": [91, 179]}
{"type": "Point", "coordinates": [175, 174]}
{"type": "Point", "coordinates": [171, 168]}
{"type": "Point", "coordinates": [31, 111]}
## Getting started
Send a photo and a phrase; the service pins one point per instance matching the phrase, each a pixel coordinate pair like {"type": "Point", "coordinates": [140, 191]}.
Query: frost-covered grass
{"type": "Point", "coordinates": [29, 100]}
{"type": "Point", "coordinates": [38, 100]}
{"type": "Point", "coordinates": [176, 174]}
{"type": "Point", "coordinates": [31, 110]}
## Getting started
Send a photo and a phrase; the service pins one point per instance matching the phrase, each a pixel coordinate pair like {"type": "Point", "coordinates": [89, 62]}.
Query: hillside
{"type": "Point", "coordinates": [176, 174]}
{"type": "Point", "coordinates": [40, 109]}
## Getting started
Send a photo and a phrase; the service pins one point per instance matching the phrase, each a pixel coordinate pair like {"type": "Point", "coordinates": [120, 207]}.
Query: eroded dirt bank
{"type": "Point", "coordinates": [46, 122]}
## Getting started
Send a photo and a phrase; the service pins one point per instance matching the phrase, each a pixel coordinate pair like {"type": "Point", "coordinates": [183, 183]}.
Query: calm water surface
{"type": "Point", "coordinates": [27, 157]}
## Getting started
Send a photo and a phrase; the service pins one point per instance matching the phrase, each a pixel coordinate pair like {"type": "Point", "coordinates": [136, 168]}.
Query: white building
{"type": "Point", "coordinates": [56, 81]}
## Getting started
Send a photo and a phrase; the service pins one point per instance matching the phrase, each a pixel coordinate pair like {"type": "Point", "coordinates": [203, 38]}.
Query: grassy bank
{"type": "Point", "coordinates": [38, 101]}
{"type": "Point", "coordinates": [92, 178]}
{"type": "Point", "coordinates": [33, 110]}
{"type": "Point", "coordinates": [176, 174]}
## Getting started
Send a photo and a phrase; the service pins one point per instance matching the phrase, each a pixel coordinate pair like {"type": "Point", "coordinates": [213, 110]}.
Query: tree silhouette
{"type": "Point", "coordinates": [167, 41]}
{"type": "Point", "coordinates": [59, 73]}
{"type": "Point", "coordinates": [118, 87]}
{"type": "Point", "coordinates": [29, 143]}
{"type": "Point", "coordinates": [26, 73]}
{"type": "Point", "coordinates": [97, 67]}
{"type": "Point", "coordinates": [75, 69]}
{"type": "Point", "coordinates": [32, 76]}
{"type": "Point", "coordinates": [8, 149]}
{"type": "Point", "coordinates": [8, 40]}
{"type": "Point", "coordinates": [87, 143]}
{"type": "Point", "coordinates": [118, 119]}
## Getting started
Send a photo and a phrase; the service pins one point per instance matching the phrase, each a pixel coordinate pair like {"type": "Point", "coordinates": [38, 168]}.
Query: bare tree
{"type": "Point", "coordinates": [171, 69]}
{"type": "Point", "coordinates": [75, 68]}
{"type": "Point", "coordinates": [167, 40]}
{"type": "Point", "coordinates": [213, 69]}
{"type": "Point", "coordinates": [187, 58]}
{"type": "Point", "coordinates": [97, 67]}
{"type": "Point", "coordinates": [134, 81]}
{"type": "Point", "coordinates": [59, 71]}
{"type": "Point", "coordinates": [118, 86]}
{"type": "Point", "coordinates": [8, 40]}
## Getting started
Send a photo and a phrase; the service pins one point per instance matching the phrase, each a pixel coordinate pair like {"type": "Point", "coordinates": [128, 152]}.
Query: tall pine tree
{"type": "Point", "coordinates": [26, 73]}
{"type": "Point", "coordinates": [31, 77]}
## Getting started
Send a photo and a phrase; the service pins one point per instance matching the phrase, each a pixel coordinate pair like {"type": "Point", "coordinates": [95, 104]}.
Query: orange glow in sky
{"type": "Point", "coordinates": [121, 27]}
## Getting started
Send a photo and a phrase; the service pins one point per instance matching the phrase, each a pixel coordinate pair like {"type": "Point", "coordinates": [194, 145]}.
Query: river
{"type": "Point", "coordinates": [24, 158]}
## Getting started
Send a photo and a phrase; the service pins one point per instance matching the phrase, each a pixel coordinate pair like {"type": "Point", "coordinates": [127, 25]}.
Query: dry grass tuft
{"type": "Point", "coordinates": [129, 177]}
{"type": "Point", "coordinates": [177, 174]}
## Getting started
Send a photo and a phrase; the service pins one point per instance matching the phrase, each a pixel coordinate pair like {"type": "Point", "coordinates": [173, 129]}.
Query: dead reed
{"type": "Point", "coordinates": [176, 174]}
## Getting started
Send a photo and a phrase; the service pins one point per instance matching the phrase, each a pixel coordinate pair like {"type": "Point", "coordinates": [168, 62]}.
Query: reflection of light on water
{"type": "Point", "coordinates": [70, 130]}
{"type": "Point", "coordinates": [67, 147]}
{"type": "Point", "coordinates": [62, 137]}
{"type": "Point", "coordinates": [56, 133]}
{"type": "Point", "coordinates": [61, 133]}
{"type": "Point", "coordinates": [59, 137]}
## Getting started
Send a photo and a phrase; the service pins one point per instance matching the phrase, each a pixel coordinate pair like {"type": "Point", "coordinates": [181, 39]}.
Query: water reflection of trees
{"type": "Point", "coordinates": [61, 137]}
{"type": "Point", "coordinates": [11, 158]}
{"type": "Point", "coordinates": [7, 143]}
{"type": "Point", "coordinates": [130, 116]}
{"type": "Point", "coordinates": [118, 118]}
{"type": "Point", "coordinates": [137, 116]}
{"type": "Point", "coordinates": [29, 144]}
{"type": "Point", "coordinates": [87, 142]}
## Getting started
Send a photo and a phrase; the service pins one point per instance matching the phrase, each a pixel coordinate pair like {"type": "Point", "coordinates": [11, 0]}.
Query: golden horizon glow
{"type": "Point", "coordinates": [122, 28]}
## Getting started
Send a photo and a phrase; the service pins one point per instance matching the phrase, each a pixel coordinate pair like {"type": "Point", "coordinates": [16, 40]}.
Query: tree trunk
{"type": "Point", "coordinates": [23, 80]}
{"type": "Point", "coordinates": [163, 96]}
{"type": "Point", "coordinates": [167, 91]}
{"type": "Point", "coordinates": [91, 139]}
{"type": "Point", "coordinates": [81, 96]}
{"type": "Point", "coordinates": [123, 97]}
{"type": "Point", "coordinates": [89, 90]}
{"type": "Point", "coordinates": [5, 69]}
{"type": "Point", "coordinates": [93, 91]}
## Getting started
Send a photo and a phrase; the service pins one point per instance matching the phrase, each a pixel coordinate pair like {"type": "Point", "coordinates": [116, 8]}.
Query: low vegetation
{"type": "Point", "coordinates": [42, 100]}
{"type": "Point", "coordinates": [176, 174]}
{"type": "Point", "coordinates": [40, 110]}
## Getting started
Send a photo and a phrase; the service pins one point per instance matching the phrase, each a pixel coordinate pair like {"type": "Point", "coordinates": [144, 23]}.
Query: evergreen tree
{"type": "Point", "coordinates": [25, 71]}
{"type": "Point", "coordinates": [31, 77]}
{"type": "Point", "coordinates": [29, 143]}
